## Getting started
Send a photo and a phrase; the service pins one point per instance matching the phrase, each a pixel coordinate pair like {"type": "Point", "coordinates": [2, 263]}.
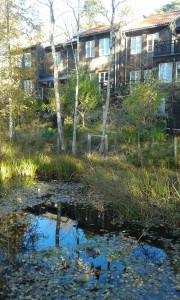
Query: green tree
{"type": "Point", "coordinates": [91, 10]}
{"type": "Point", "coordinates": [89, 95]}
{"type": "Point", "coordinates": [174, 5]}
{"type": "Point", "coordinates": [15, 22]}
{"type": "Point", "coordinates": [142, 107]}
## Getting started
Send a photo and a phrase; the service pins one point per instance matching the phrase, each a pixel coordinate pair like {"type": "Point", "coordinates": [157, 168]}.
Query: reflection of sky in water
{"type": "Point", "coordinates": [149, 254]}
{"type": "Point", "coordinates": [143, 259]}
{"type": "Point", "coordinates": [45, 235]}
{"type": "Point", "coordinates": [45, 230]}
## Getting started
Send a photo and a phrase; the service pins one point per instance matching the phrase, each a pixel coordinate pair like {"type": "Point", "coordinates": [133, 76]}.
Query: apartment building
{"type": "Point", "coordinates": [153, 43]}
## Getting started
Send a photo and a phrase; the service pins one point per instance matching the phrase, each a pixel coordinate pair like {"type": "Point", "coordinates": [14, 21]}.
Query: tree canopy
{"type": "Point", "coordinates": [174, 5]}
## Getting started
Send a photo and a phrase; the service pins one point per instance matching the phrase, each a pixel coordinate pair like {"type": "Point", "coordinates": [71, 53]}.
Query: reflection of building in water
{"type": "Point", "coordinates": [65, 222]}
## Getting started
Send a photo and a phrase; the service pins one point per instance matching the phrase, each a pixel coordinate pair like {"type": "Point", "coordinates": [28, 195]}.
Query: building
{"type": "Point", "coordinates": [151, 44]}
{"type": "Point", "coordinates": [154, 44]}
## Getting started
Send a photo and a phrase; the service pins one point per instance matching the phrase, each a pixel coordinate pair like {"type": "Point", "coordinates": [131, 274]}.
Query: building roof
{"type": "Point", "coordinates": [96, 30]}
{"type": "Point", "coordinates": [145, 22]}
{"type": "Point", "coordinates": [154, 21]}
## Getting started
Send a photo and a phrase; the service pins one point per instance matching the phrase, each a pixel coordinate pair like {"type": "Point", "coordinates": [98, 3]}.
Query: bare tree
{"type": "Point", "coordinates": [106, 107]}
{"type": "Point", "coordinates": [50, 5]}
{"type": "Point", "coordinates": [56, 80]}
{"type": "Point", "coordinates": [76, 9]}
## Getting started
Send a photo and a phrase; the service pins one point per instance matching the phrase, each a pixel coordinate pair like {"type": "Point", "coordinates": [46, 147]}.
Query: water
{"type": "Point", "coordinates": [58, 257]}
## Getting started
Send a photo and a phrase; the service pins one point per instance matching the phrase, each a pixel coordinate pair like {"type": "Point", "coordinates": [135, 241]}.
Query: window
{"type": "Point", "coordinates": [90, 46]}
{"type": "Point", "coordinates": [28, 85]}
{"type": "Point", "coordinates": [178, 71]}
{"type": "Point", "coordinates": [136, 43]}
{"type": "Point", "coordinates": [147, 73]}
{"type": "Point", "coordinates": [58, 57]}
{"type": "Point", "coordinates": [104, 46]}
{"type": "Point", "coordinates": [135, 76]}
{"type": "Point", "coordinates": [103, 79]}
{"type": "Point", "coordinates": [19, 61]}
{"type": "Point", "coordinates": [27, 59]}
{"type": "Point", "coordinates": [165, 72]}
{"type": "Point", "coordinates": [151, 40]}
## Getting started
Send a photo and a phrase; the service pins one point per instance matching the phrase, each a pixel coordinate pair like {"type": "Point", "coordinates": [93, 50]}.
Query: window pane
{"type": "Point", "coordinates": [101, 47]}
{"type": "Point", "coordinates": [92, 48]}
{"type": "Point", "coordinates": [27, 59]}
{"type": "Point", "coordinates": [58, 57]}
{"type": "Point", "coordinates": [88, 49]}
{"type": "Point", "coordinates": [136, 45]}
{"type": "Point", "coordinates": [178, 71]}
{"type": "Point", "coordinates": [104, 46]}
{"type": "Point", "coordinates": [165, 72]}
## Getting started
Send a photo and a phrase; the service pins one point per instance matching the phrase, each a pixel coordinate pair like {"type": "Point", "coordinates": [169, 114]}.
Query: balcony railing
{"type": "Point", "coordinates": [167, 47]}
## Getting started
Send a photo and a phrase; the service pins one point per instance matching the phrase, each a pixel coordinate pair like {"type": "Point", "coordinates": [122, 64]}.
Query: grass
{"type": "Point", "coordinates": [148, 195]}
{"type": "Point", "coordinates": [60, 166]}
{"type": "Point", "coordinates": [145, 189]}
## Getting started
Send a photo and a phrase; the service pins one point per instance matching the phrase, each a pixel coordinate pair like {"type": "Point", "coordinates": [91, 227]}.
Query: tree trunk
{"type": "Point", "coordinates": [9, 74]}
{"type": "Point", "coordinates": [56, 81]}
{"type": "Point", "coordinates": [76, 59]}
{"type": "Point", "coordinates": [58, 224]}
{"type": "Point", "coordinates": [106, 108]}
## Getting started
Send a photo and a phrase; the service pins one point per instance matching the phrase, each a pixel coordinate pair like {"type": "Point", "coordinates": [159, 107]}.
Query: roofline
{"type": "Point", "coordinates": [146, 27]}
{"type": "Point", "coordinates": [94, 33]}
{"type": "Point", "coordinates": [154, 26]}
{"type": "Point", "coordinates": [99, 32]}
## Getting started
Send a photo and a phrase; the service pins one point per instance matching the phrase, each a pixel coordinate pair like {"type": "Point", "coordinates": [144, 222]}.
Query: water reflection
{"type": "Point", "coordinates": [57, 246]}
{"type": "Point", "coordinates": [150, 254]}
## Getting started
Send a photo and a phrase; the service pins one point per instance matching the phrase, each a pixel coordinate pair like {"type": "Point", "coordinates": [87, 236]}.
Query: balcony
{"type": "Point", "coordinates": [167, 48]}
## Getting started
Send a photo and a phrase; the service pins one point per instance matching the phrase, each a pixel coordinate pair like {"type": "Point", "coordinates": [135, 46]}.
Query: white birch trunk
{"type": "Point", "coordinates": [76, 59]}
{"type": "Point", "coordinates": [105, 111]}
{"type": "Point", "coordinates": [9, 74]}
{"type": "Point", "coordinates": [56, 83]}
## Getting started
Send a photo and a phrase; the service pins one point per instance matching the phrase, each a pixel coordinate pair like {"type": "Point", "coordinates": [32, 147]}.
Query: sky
{"type": "Point", "coordinates": [146, 6]}
{"type": "Point", "coordinates": [140, 7]}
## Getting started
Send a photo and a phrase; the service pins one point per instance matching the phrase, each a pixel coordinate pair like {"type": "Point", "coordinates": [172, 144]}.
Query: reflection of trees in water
{"type": "Point", "coordinates": [17, 235]}
{"type": "Point", "coordinates": [150, 254]}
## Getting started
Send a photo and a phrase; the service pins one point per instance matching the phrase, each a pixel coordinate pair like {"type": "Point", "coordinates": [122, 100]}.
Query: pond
{"type": "Point", "coordinates": [67, 251]}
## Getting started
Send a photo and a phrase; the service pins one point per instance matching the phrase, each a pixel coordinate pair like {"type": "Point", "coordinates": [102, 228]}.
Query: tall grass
{"type": "Point", "coordinates": [42, 166]}
{"type": "Point", "coordinates": [148, 195]}
{"type": "Point", "coordinates": [59, 166]}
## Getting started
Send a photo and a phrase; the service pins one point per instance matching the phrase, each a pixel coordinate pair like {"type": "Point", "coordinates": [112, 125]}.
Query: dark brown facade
{"type": "Point", "coordinates": [150, 45]}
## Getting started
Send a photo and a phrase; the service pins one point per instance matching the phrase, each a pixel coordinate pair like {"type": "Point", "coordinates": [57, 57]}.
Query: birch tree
{"type": "Point", "coordinates": [106, 106]}
{"type": "Point", "coordinates": [50, 5]}
{"type": "Point", "coordinates": [76, 14]}
{"type": "Point", "coordinates": [56, 80]}
{"type": "Point", "coordinates": [80, 9]}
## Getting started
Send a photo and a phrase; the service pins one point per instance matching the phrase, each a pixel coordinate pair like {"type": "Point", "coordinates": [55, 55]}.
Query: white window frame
{"type": "Point", "coordinates": [28, 85]}
{"type": "Point", "coordinates": [19, 61]}
{"type": "Point", "coordinates": [151, 40]}
{"type": "Point", "coordinates": [165, 72]}
{"type": "Point", "coordinates": [178, 71]}
{"type": "Point", "coordinates": [147, 73]}
{"type": "Point", "coordinates": [136, 44]}
{"type": "Point", "coordinates": [103, 79]}
{"type": "Point", "coordinates": [90, 47]}
{"type": "Point", "coordinates": [104, 46]}
{"type": "Point", "coordinates": [27, 59]}
{"type": "Point", "coordinates": [58, 58]}
{"type": "Point", "coordinates": [135, 76]}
